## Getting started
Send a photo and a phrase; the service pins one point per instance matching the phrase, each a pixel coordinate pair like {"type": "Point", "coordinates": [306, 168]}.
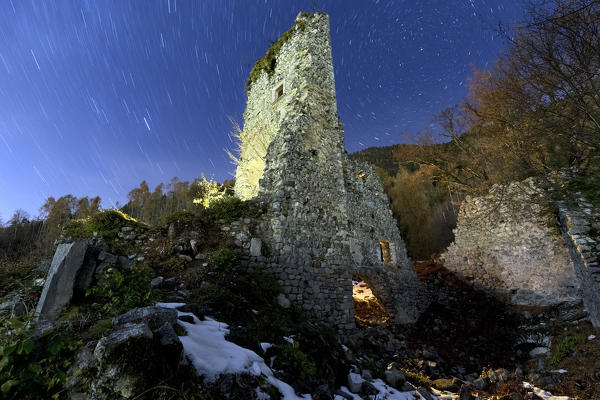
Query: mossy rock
{"type": "Point", "coordinates": [107, 223]}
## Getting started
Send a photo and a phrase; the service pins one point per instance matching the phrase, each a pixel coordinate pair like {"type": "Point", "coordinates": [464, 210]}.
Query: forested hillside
{"type": "Point", "coordinates": [536, 112]}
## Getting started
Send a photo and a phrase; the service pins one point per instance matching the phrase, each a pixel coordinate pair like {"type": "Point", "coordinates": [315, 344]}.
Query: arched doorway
{"type": "Point", "coordinates": [369, 311]}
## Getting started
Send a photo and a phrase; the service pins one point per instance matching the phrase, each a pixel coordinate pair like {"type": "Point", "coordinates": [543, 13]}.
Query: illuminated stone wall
{"type": "Point", "coordinates": [325, 214]}
{"type": "Point", "coordinates": [508, 241]}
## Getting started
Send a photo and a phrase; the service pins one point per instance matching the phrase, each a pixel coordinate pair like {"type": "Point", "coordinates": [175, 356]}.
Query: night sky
{"type": "Point", "coordinates": [96, 96]}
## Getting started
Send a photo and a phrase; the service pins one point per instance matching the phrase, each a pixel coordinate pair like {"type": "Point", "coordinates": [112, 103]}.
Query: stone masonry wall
{"type": "Point", "coordinates": [580, 226]}
{"type": "Point", "coordinates": [326, 214]}
{"type": "Point", "coordinates": [507, 242]}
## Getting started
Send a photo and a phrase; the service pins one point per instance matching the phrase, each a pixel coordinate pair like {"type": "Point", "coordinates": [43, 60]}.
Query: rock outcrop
{"type": "Point", "coordinates": [61, 279]}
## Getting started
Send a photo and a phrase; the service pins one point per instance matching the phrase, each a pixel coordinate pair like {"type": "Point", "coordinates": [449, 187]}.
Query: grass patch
{"type": "Point", "coordinates": [565, 348]}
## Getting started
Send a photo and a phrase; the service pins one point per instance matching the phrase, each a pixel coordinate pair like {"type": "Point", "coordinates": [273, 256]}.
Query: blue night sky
{"type": "Point", "coordinates": [96, 96]}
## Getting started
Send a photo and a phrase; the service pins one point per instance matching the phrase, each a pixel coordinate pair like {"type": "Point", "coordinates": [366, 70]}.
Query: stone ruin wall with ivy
{"type": "Point", "coordinates": [510, 242]}
{"type": "Point", "coordinates": [327, 219]}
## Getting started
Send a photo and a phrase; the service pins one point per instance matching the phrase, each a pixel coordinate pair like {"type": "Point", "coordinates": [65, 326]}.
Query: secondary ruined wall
{"type": "Point", "coordinates": [326, 214]}
{"type": "Point", "coordinates": [508, 242]}
{"type": "Point", "coordinates": [580, 225]}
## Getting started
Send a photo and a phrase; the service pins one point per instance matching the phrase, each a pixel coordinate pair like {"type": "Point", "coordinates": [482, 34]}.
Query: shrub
{"type": "Point", "coordinates": [227, 208]}
{"type": "Point", "coordinates": [33, 368]}
{"type": "Point", "coordinates": [224, 259]}
{"type": "Point", "coordinates": [565, 348]}
{"type": "Point", "coordinates": [295, 362]}
{"type": "Point", "coordinates": [118, 292]}
{"type": "Point", "coordinates": [182, 217]}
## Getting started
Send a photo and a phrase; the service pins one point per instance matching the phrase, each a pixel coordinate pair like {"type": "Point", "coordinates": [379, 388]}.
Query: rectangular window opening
{"type": "Point", "coordinates": [386, 253]}
{"type": "Point", "coordinates": [278, 91]}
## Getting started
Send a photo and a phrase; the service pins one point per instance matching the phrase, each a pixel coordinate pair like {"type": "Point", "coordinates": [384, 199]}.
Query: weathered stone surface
{"type": "Point", "coordinates": [583, 242]}
{"type": "Point", "coordinates": [110, 347]}
{"type": "Point", "coordinates": [355, 382]}
{"type": "Point", "coordinates": [58, 288]}
{"type": "Point", "coordinates": [508, 242]}
{"type": "Point", "coordinates": [283, 301]}
{"type": "Point", "coordinates": [326, 217]}
{"type": "Point", "coordinates": [155, 317]}
{"type": "Point", "coordinates": [157, 282]}
{"type": "Point", "coordinates": [255, 247]}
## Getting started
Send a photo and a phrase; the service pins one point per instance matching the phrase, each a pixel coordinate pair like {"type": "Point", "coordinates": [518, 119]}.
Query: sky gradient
{"type": "Point", "coordinates": [96, 96]}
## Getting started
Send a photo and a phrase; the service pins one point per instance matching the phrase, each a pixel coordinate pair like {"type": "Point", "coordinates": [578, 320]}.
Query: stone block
{"type": "Point", "coordinates": [256, 247]}
{"type": "Point", "coordinates": [60, 282]}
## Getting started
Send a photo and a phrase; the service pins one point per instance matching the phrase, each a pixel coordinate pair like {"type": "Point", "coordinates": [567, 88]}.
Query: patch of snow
{"type": "Point", "coordinates": [389, 393]}
{"type": "Point", "coordinates": [559, 371]}
{"type": "Point", "coordinates": [265, 346]}
{"type": "Point", "coordinates": [345, 347]}
{"type": "Point", "coordinates": [347, 392]}
{"type": "Point", "coordinates": [212, 355]}
{"type": "Point", "coordinates": [169, 305]}
{"type": "Point", "coordinates": [289, 339]}
{"type": "Point", "coordinates": [544, 395]}
{"type": "Point", "coordinates": [591, 337]}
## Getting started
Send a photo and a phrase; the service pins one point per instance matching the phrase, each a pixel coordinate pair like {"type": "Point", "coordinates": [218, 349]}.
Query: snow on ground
{"type": "Point", "coordinates": [213, 355]}
{"type": "Point", "coordinates": [543, 394]}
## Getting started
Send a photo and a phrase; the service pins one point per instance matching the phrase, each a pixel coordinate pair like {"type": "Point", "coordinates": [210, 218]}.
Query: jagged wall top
{"type": "Point", "coordinates": [295, 74]}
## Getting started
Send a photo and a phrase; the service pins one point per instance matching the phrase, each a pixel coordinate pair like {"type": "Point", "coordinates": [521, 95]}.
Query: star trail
{"type": "Point", "coordinates": [96, 96]}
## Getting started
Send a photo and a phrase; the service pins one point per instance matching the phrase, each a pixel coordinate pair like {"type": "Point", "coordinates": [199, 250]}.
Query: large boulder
{"type": "Point", "coordinates": [60, 282]}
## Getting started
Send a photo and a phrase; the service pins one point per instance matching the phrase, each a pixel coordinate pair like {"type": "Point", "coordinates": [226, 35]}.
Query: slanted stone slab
{"type": "Point", "coordinates": [60, 281]}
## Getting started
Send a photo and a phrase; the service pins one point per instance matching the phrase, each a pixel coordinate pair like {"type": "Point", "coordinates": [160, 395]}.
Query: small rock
{"type": "Point", "coordinates": [369, 389]}
{"type": "Point", "coordinates": [167, 335]}
{"type": "Point", "coordinates": [194, 245]}
{"type": "Point", "coordinates": [140, 259]}
{"type": "Point", "coordinates": [480, 383]}
{"type": "Point", "coordinates": [283, 301]}
{"type": "Point", "coordinates": [126, 229]}
{"type": "Point", "coordinates": [124, 263]}
{"type": "Point", "coordinates": [355, 382]}
{"type": "Point", "coordinates": [255, 247]}
{"type": "Point", "coordinates": [395, 377]}
{"type": "Point", "coordinates": [538, 351]}
{"type": "Point", "coordinates": [185, 257]}
{"type": "Point", "coordinates": [107, 257]}
{"type": "Point", "coordinates": [170, 283]}
{"type": "Point", "coordinates": [157, 282]}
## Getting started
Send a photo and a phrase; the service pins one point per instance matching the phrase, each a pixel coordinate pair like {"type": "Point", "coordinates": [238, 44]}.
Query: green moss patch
{"type": "Point", "coordinates": [269, 61]}
{"type": "Point", "coordinates": [107, 223]}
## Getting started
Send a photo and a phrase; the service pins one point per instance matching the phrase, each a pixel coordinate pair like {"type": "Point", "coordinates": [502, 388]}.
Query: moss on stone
{"type": "Point", "coordinates": [268, 62]}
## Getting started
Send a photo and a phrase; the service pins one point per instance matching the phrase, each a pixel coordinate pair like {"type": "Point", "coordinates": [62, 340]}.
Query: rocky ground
{"type": "Point", "coordinates": [111, 342]}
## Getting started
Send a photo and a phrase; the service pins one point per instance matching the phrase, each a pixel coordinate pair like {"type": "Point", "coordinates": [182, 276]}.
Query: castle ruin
{"type": "Point", "coordinates": [327, 220]}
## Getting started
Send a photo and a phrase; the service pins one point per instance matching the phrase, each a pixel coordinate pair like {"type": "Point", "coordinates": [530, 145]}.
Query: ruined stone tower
{"type": "Point", "coordinates": [327, 220]}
